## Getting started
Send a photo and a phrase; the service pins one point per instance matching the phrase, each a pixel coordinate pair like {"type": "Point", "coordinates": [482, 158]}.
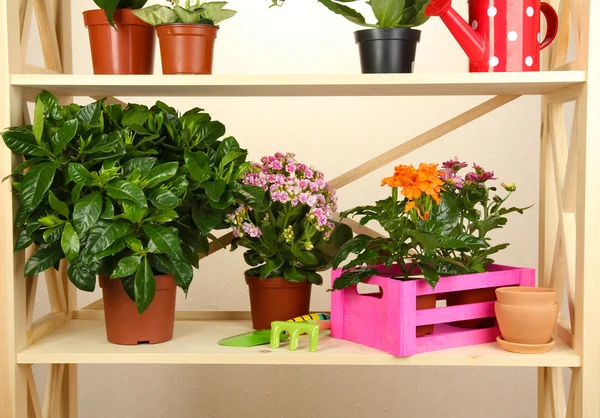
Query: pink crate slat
{"type": "Point", "coordinates": [388, 320]}
{"type": "Point", "coordinates": [455, 313]}
{"type": "Point", "coordinates": [446, 336]}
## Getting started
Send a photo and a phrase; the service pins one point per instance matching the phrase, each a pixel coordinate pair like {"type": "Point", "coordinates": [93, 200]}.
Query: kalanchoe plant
{"type": "Point", "coordinates": [292, 234]}
{"type": "Point", "coordinates": [126, 193]}
{"type": "Point", "coordinates": [109, 6]}
{"type": "Point", "coordinates": [389, 13]}
{"type": "Point", "coordinates": [209, 13]}
{"type": "Point", "coordinates": [439, 227]}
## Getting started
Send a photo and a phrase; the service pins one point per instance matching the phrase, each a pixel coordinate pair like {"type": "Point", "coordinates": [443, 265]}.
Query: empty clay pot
{"type": "Point", "coordinates": [187, 48]}
{"type": "Point", "coordinates": [277, 300]}
{"type": "Point", "coordinates": [526, 324]}
{"type": "Point", "coordinates": [123, 323]}
{"type": "Point", "coordinates": [425, 302]}
{"type": "Point", "coordinates": [526, 296]}
{"type": "Point", "coordinates": [465, 297]}
{"type": "Point", "coordinates": [128, 49]}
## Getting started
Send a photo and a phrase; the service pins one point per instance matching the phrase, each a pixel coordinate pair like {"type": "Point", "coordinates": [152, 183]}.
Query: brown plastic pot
{"type": "Point", "coordinates": [128, 49]}
{"type": "Point", "coordinates": [526, 296]}
{"type": "Point", "coordinates": [425, 302]}
{"type": "Point", "coordinates": [187, 48]}
{"type": "Point", "coordinates": [465, 297]}
{"type": "Point", "coordinates": [277, 300]}
{"type": "Point", "coordinates": [123, 323]}
{"type": "Point", "coordinates": [526, 324]}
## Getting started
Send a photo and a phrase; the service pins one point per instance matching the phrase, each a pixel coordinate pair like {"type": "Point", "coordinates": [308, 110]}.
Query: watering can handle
{"type": "Point", "coordinates": [551, 24]}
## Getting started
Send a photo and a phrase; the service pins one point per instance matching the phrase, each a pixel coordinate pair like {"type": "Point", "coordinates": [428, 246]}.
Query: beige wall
{"type": "Point", "coordinates": [334, 134]}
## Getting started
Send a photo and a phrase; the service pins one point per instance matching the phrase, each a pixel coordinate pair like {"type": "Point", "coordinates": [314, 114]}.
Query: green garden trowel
{"type": "Point", "coordinates": [250, 339]}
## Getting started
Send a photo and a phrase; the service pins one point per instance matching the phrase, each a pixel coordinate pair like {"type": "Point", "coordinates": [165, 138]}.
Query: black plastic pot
{"type": "Point", "coordinates": [387, 50]}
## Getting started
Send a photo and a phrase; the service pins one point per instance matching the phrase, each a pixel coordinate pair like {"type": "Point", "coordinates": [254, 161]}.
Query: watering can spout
{"type": "Point", "coordinates": [470, 41]}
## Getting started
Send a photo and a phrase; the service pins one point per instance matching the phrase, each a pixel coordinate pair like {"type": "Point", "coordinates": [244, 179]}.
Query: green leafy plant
{"type": "Point", "coordinates": [389, 13]}
{"type": "Point", "coordinates": [209, 13]}
{"type": "Point", "coordinates": [290, 235]}
{"type": "Point", "coordinates": [439, 228]}
{"type": "Point", "coordinates": [126, 193]}
{"type": "Point", "coordinates": [109, 6]}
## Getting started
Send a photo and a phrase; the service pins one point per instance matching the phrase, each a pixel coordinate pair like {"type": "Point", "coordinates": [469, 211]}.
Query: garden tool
{"type": "Point", "coordinates": [261, 337]}
{"type": "Point", "coordinates": [501, 35]}
{"type": "Point", "coordinates": [308, 324]}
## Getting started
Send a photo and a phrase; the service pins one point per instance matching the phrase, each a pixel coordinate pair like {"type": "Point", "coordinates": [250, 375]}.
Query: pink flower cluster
{"type": "Point", "coordinates": [451, 176]}
{"type": "Point", "coordinates": [288, 181]}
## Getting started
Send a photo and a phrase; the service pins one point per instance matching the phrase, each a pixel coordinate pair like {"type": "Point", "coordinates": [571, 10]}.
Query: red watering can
{"type": "Point", "coordinates": [502, 35]}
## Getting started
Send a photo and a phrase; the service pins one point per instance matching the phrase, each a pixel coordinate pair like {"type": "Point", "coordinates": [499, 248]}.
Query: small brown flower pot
{"type": "Point", "coordinates": [187, 48]}
{"type": "Point", "coordinates": [425, 302]}
{"type": "Point", "coordinates": [123, 323]}
{"type": "Point", "coordinates": [465, 297]}
{"type": "Point", "coordinates": [277, 300]}
{"type": "Point", "coordinates": [128, 49]}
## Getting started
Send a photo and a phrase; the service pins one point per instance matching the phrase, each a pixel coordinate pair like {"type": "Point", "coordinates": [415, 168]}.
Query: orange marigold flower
{"type": "Point", "coordinates": [411, 192]}
{"type": "Point", "coordinates": [409, 206]}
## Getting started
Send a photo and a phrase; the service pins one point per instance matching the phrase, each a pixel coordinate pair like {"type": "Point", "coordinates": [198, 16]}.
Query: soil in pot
{"type": "Point", "coordinates": [526, 324]}
{"type": "Point", "coordinates": [277, 299]}
{"type": "Point", "coordinates": [387, 50]}
{"type": "Point", "coordinates": [425, 302]}
{"type": "Point", "coordinates": [465, 297]}
{"type": "Point", "coordinates": [128, 49]}
{"type": "Point", "coordinates": [187, 48]}
{"type": "Point", "coordinates": [123, 323]}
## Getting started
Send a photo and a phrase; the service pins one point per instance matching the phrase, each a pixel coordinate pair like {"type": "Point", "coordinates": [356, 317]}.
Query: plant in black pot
{"type": "Point", "coordinates": [131, 195]}
{"type": "Point", "coordinates": [187, 33]}
{"type": "Point", "coordinates": [120, 42]}
{"type": "Point", "coordinates": [390, 45]}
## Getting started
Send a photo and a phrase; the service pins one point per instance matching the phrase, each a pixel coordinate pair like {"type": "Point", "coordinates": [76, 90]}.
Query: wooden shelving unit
{"type": "Point", "coordinates": [569, 217]}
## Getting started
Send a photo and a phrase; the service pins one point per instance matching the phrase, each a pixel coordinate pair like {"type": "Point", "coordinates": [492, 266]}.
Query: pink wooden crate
{"type": "Point", "coordinates": [388, 320]}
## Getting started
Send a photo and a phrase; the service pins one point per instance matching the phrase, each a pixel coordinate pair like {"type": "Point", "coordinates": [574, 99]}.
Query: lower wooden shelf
{"type": "Point", "coordinates": [83, 341]}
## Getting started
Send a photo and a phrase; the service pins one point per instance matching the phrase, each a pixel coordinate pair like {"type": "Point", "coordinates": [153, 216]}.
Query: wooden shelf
{"type": "Point", "coordinates": [452, 84]}
{"type": "Point", "coordinates": [83, 341]}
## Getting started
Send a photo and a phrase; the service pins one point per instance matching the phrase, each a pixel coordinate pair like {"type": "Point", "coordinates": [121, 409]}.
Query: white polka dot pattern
{"type": "Point", "coordinates": [529, 61]}
{"type": "Point", "coordinates": [492, 11]}
{"type": "Point", "coordinates": [512, 36]}
{"type": "Point", "coordinates": [530, 11]}
{"type": "Point", "coordinates": [494, 61]}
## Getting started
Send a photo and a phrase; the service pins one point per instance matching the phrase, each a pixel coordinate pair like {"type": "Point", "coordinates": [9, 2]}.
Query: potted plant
{"type": "Point", "coordinates": [390, 45]}
{"type": "Point", "coordinates": [120, 42]}
{"type": "Point", "coordinates": [438, 224]}
{"type": "Point", "coordinates": [131, 195]}
{"type": "Point", "coordinates": [186, 33]}
{"type": "Point", "coordinates": [290, 237]}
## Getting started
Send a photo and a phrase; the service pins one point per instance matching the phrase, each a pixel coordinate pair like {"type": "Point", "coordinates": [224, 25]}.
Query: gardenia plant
{"type": "Point", "coordinates": [292, 235]}
{"type": "Point", "coordinates": [438, 224]}
{"type": "Point", "coordinates": [209, 13]}
{"type": "Point", "coordinates": [389, 13]}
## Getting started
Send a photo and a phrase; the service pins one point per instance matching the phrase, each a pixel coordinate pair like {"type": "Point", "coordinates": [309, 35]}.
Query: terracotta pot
{"type": "Point", "coordinates": [187, 48]}
{"type": "Point", "coordinates": [526, 324]}
{"type": "Point", "coordinates": [425, 302]}
{"type": "Point", "coordinates": [123, 323]}
{"type": "Point", "coordinates": [526, 296]}
{"type": "Point", "coordinates": [277, 300]}
{"type": "Point", "coordinates": [129, 49]}
{"type": "Point", "coordinates": [472, 296]}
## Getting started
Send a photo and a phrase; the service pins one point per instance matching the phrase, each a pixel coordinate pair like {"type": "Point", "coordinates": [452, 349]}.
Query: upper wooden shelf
{"type": "Point", "coordinates": [195, 342]}
{"type": "Point", "coordinates": [451, 84]}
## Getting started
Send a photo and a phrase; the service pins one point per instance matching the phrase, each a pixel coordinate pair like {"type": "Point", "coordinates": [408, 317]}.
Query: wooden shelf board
{"type": "Point", "coordinates": [83, 341]}
{"type": "Point", "coordinates": [434, 84]}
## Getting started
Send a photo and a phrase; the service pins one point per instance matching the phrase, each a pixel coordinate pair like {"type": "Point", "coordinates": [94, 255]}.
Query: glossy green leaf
{"type": "Point", "coordinates": [198, 165]}
{"type": "Point", "coordinates": [132, 212]}
{"type": "Point", "coordinates": [227, 146]}
{"type": "Point", "coordinates": [76, 192]}
{"type": "Point", "coordinates": [36, 184]}
{"type": "Point", "coordinates": [81, 275]}
{"type": "Point", "coordinates": [38, 121]}
{"type": "Point", "coordinates": [183, 273]}
{"type": "Point", "coordinates": [52, 235]}
{"type": "Point", "coordinates": [354, 246]}
{"type": "Point", "coordinates": [387, 12]}
{"type": "Point", "coordinates": [70, 242]}
{"type": "Point", "coordinates": [145, 164]}
{"type": "Point", "coordinates": [145, 286]}
{"type": "Point", "coordinates": [109, 210]}
{"type": "Point", "coordinates": [52, 107]}
{"type": "Point", "coordinates": [42, 260]}
{"type": "Point", "coordinates": [134, 244]}
{"type": "Point", "coordinates": [160, 174]}
{"type": "Point", "coordinates": [162, 216]}
{"type": "Point", "coordinates": [352, 277]}
{"type": "Point", "coordinates": [124, 190]}
{"type": "Point", "coordinates": [87, 212]}
{"type": "Point", "coordinates": [64, 135]}
{"type": "Point", "coordinates": [58, 205]}
{"type": "Point", "coordinates": [79, 174]}
{"type": "Point", "coordinates": [206, 219]}
{"type": "Point", "coordinates": [23, 241]}
{"type": "Point", "coordinates": [127, 266]}
{"type": "Point", "coordinates": [165, 240]}
{"type": "Point", "coordinates": [271, 265]}
{"type": "Point", "coordinates": [102, 235]}
{"type": "Point", "coordinates": [22, 142]}
{"type": "Point", "coordinates": [214, 190]}
{"type": "Point", "coordinates": [164, 199]}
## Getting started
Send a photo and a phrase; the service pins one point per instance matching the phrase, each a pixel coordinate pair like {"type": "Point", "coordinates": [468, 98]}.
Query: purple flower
{"type": "Point", "coordinates": [303, 184]}
{"type": "Point", "coordinates": [451, 178]}
{"type": "Point", "coordinates": [303, 198]}
{"type": "Point", "coordinates": [308, 173]}
{"type": "Point", "coordinates": [276, 165]}
{"type": "Point", "coordinates": [480, 175]}
{"type": "Point", "coordinates": [454, 165]}
{"type": "Point", "coordinates": [290, 168]}
{"type": "Point", "coordinates": [314, 187]}
{"type": "Point", "coordinates": [295, 201]}
{"type": "Point", "coordinates": [311, 201]}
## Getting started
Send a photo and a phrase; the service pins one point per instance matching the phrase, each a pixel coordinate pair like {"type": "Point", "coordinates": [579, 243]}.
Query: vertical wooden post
{"type": "Point", "coordinates": [13, 337]}
{"type": "Point", "coordinates": [586, 401]}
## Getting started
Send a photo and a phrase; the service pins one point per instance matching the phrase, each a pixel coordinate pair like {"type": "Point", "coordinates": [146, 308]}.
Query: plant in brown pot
{"type": "Point", "coordinates": [289, 237]}
{"type": "Point", "coordinates": [187, 33]}
{"type": "Point", "coordinates": [130, 195]}
{"type": "Point", "coordinates": [120, 42]}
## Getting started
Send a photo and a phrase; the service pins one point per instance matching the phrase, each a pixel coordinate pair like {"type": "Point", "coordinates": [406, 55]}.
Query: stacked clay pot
{"type": "Point", "coordinates": [527, 317]}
